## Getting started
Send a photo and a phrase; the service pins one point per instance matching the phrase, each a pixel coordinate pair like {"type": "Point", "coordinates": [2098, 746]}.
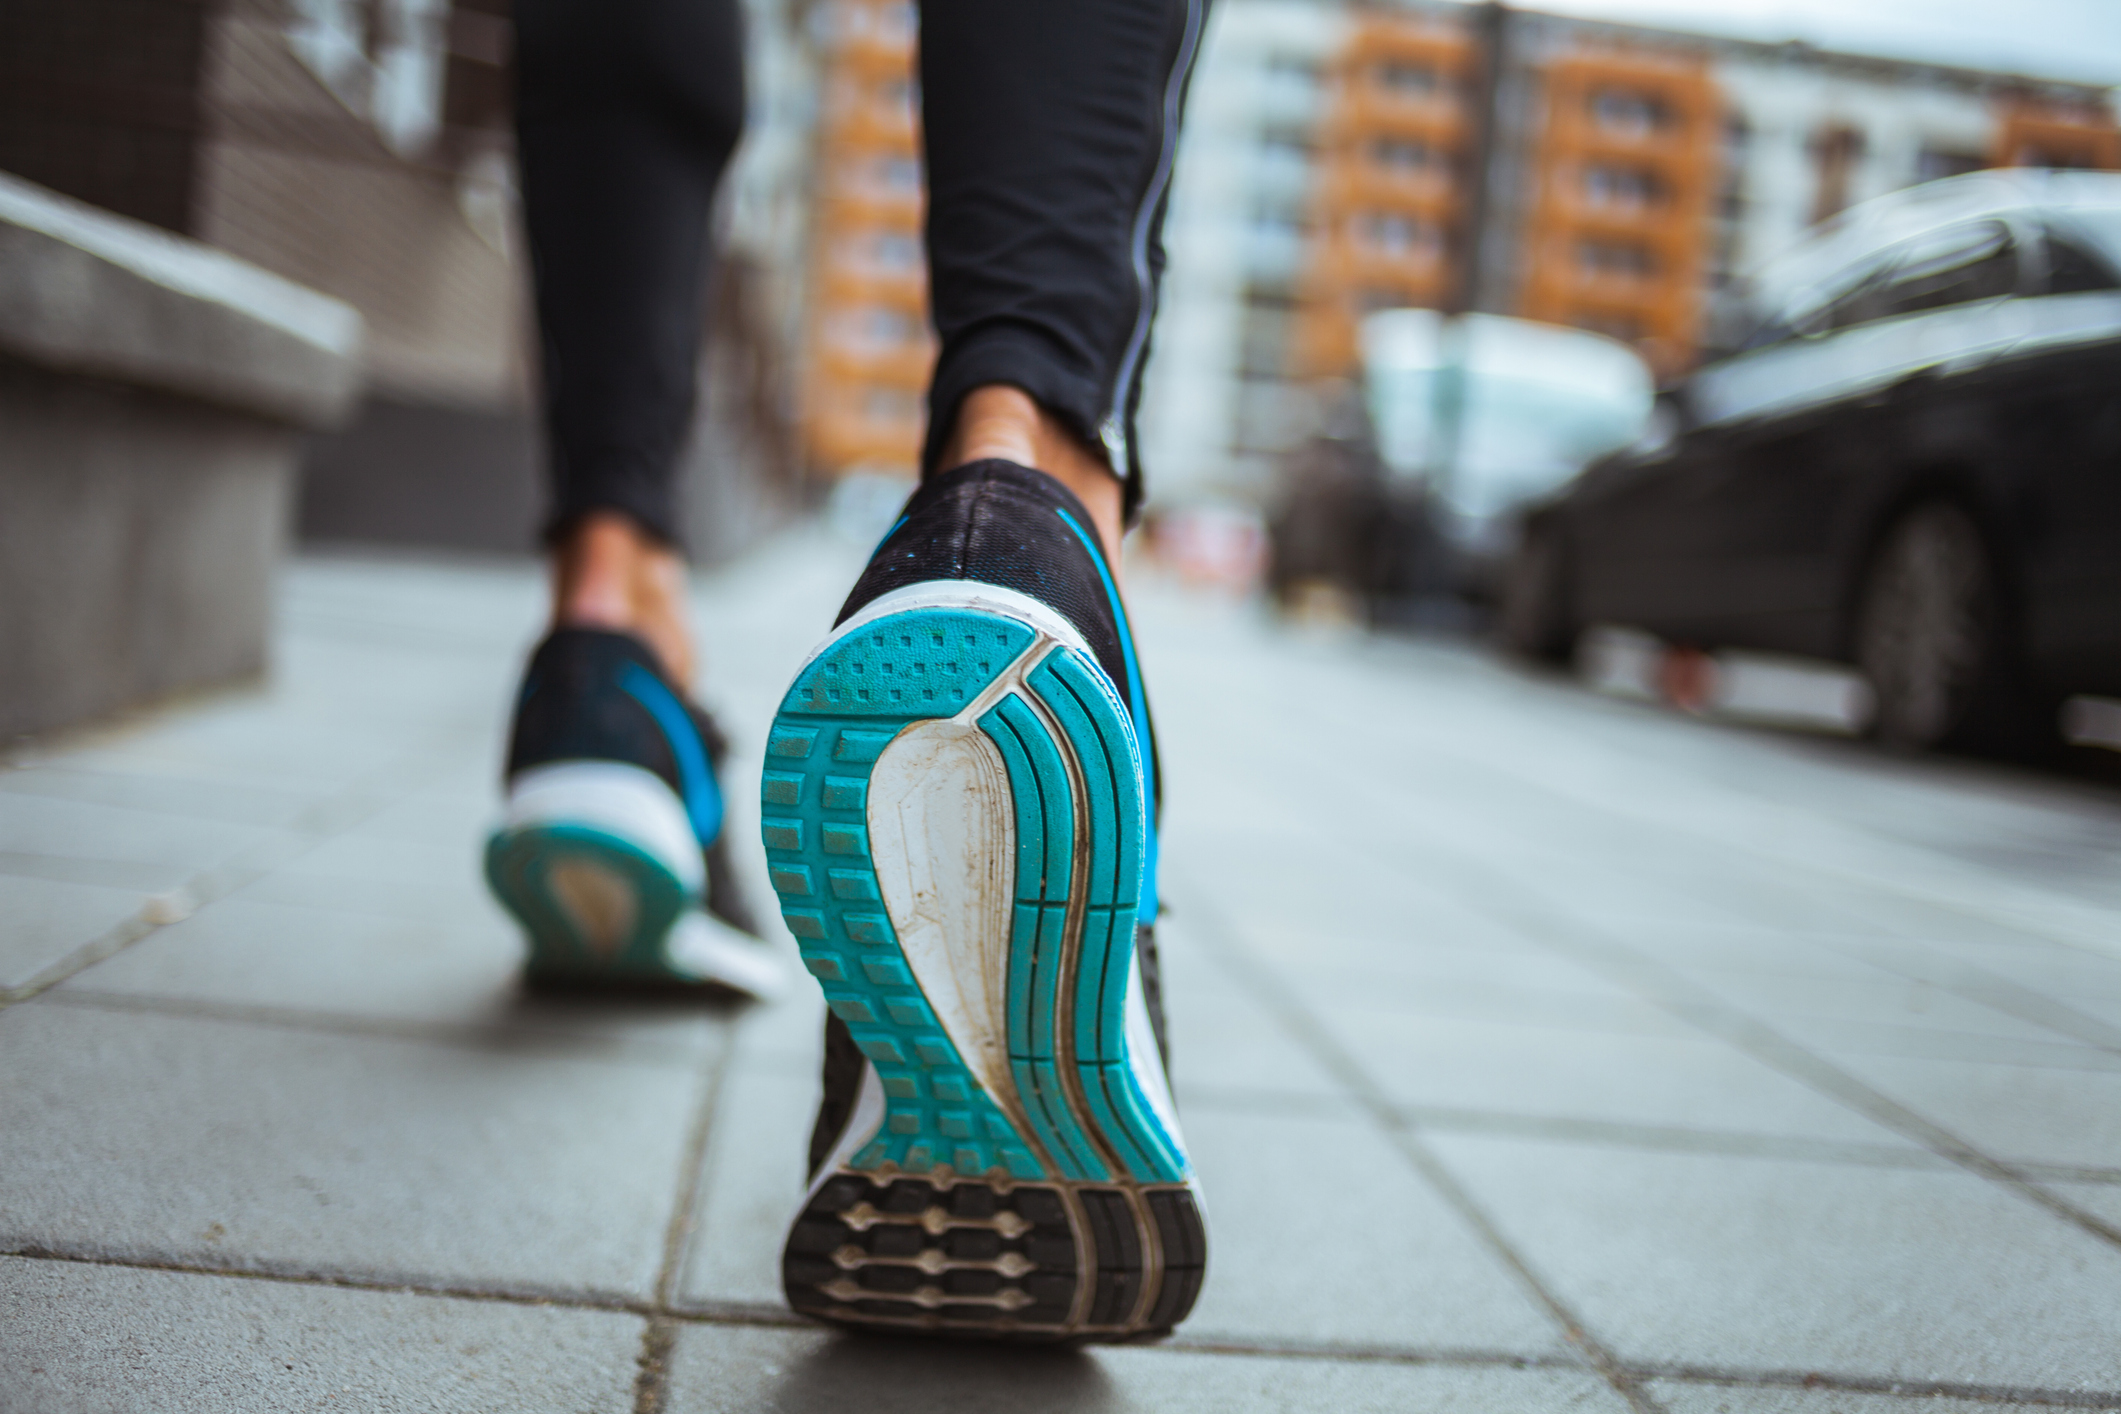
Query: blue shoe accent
{"type": "Point", "coordinates": [1137, 706]}
{"type": "Point", "coordinates": [1078, 1113]}
{"type": "Point", "coordinates": [702, 796]}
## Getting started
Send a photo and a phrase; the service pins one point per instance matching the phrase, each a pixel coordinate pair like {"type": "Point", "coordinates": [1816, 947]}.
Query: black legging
{"type": "Point", "coordinates": [1050, 127]}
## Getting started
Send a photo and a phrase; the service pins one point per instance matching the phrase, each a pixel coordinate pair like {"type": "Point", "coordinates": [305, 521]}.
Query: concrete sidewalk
{"type": "Point", "coordinates": [1540, 1052]}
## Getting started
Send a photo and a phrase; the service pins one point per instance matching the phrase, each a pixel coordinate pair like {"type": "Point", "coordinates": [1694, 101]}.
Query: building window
{"type": "Point", "coordinates": [889, 253]}
{"type": "Point", "coordinates": [901, 176]}
{"type": "Point", "coordinates": [1402, 157]}
{"type": "Point", "coordinates": [1836, 150]}
{"type": "Point", "coordinates": [1614, 260]}
{"type": "Point", "coordinates": [1612, 187]}
{"type": "Point", "coordinates": [1409, 80]}
{"type": "Point", "coordinates": [1395, 233]}
{"type": "Point", "coordinates": [384, 59]}
{"type": "Point", "coordinates": [873, 329]}
{"type": "Point", "coordinates": [1629, 113]}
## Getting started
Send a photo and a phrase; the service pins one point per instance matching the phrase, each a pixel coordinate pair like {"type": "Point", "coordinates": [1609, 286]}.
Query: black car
{"type": "Point", "coordinates": [1910, 464]}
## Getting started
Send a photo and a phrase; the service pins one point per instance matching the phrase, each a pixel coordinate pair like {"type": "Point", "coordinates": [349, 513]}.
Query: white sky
{"type": "Point", "coordinates": [2068, 39]}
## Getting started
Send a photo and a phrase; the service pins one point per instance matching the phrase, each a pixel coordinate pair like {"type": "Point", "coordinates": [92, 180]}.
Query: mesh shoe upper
{"type": "Point", "coordinates": [1000, 523]}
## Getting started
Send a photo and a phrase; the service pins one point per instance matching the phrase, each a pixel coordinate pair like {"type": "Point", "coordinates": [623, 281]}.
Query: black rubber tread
{"type": "Point", "coordinates": [874, 1270]}
{"type": "Point", "coordinates": [895, 1252]}
{"type": "Point", "coordinates": [1185, 1245]}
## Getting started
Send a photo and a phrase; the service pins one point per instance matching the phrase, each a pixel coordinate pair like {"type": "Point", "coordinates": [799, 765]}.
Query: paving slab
{"type": "Point", "coordinates": [1680, 1398]}
{"type": "Point", "coordinates": [79, 1338]}
{"type": "Point", "coordinates": [48, 920]}
{"type": "Point", "coordinates": [751, 1182]}
{"type": "Point", "coordinates": [728, 1368]}
{"type": "Point", "coordinates": [84, 830]}
{"type": "Point", "coordinates": [2040, 1114]}
{"type": "Point", "coordinates": [1688, 1082]}
{"type": "Point", "coordinates": [1320, 1230]}
{"type": "Point", "coordinates": [1756, 1263]}
{"type": "Point", "coordinates": [513, 1164]}
{"type": "Point", "coordinates": [1222, 1039]}
{"type": "Point", "coordinates": [337, 965]}
{"type": "Point", "coordinates": [225, 801]}
{"type": "Point", "coordinates": [2051, 1051]}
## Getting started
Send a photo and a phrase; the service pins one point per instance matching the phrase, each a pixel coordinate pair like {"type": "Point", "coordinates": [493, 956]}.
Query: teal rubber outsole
{"type": "Point", "coordinates": [1078, 1113]}
{"type": "Point", "coordinates": [520, 868]}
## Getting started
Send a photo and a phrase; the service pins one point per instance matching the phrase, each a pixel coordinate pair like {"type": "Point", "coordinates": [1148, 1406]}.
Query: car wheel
{"type": "Point", "coordinates": [1930, 636]}
{"type": "Point", "coordinates": [1534, 618]}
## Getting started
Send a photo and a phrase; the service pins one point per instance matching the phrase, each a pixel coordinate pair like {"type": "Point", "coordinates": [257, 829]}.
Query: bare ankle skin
{"type": "Point", "coordinates": [999, 420]}
{"type": "Point", "coordinates": [609, 573]}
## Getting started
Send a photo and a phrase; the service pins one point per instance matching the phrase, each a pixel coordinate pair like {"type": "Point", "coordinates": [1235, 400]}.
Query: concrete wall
{"type": "Point", "coordinates": [137, 547]}
{"type": "Point", "coordinates": [153, 397]}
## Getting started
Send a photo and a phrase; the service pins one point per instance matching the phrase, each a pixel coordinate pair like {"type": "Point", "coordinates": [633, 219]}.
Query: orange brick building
{"type": "Point", "coordinates": [868, 341]}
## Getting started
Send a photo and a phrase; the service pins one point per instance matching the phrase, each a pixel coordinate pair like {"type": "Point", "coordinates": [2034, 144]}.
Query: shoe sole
{"type": "Point", "coordinates": [953, 821]}
{"type": "Point", "coordinates": [598, 863]}
{"type": "Point", "coordinates": [593, 905]}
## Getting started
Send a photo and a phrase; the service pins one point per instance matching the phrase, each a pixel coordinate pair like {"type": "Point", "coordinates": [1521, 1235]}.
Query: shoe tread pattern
{"type": "Point", "coordinates": [967, 1256]}
{"type": "Point", "coordinates": [843, 709]}
{"type": "Point", "coordinates": [939, 1125]}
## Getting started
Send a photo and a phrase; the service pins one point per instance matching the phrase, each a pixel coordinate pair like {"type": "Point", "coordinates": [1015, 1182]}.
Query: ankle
{"type": "Point", "coordinates": [1002, 421]}
{"type": "Point", "coordinates": [609, 573]}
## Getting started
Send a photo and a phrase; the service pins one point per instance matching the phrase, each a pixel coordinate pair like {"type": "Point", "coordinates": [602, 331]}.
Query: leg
{"type": "Point", "coordinates": [959, 805]}
{"type": "Point", "coordinates": [1051, 130]}
{"type": "Point", "coordinates": [627, 114]}
{"type": "Point", "coordinates": [611, 854]}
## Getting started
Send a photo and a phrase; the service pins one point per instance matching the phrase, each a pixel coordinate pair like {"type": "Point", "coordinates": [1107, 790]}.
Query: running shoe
{"type": "Point", "coordinates": [959, 804]}
{"type": "Point", "coordinates": [611, 851]}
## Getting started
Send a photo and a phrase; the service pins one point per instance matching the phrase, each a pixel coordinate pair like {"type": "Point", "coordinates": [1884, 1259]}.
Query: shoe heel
{"type": "Point", "coordinates": [597, 862]}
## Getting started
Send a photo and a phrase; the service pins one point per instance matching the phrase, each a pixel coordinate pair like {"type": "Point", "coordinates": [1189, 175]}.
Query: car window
{"type": "Point", "coordinates": [2072, 268]}
{"type": "Point", "coordinates": [1812, 312]}
{"type": "Point", "coordinates": [1956, 266]}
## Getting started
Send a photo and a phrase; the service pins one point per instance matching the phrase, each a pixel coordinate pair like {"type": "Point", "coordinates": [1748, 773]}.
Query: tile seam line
{"type": "Point", "coordinates": [1280, 1002]}
{"type": "Point", "coordinates": [320, 822]}
{"type": "Point", "coordinates": [1906, 890]}
{"type": "Point", "coordinates": [1755, 1038]}
{"type": "Point", "coordinates": [651, 1388]}
{"type": "Point", "coordinates": [1709, 1014]}
{"type": "Point", "coordinates": [317, 1023]}
{"type": "Point", "coordinates": [1768, 1148]}
{"type": "Point", "coordinates": [2002, 917]}
{"type": "Point", "coordinates": [761, 1315]}
{"type": "Point", "coordinates": [1900, 1388]}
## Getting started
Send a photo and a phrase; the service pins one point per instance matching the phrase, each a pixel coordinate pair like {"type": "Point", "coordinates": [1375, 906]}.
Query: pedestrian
{"type": "Point", "coordinates": [960, 795]}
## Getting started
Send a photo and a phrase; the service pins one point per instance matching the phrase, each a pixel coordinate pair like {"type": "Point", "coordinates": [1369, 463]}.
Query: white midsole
{"type": "Point", "coordinates": [708, 948]}
{"type": "Point", "coordinates": [631, 802]}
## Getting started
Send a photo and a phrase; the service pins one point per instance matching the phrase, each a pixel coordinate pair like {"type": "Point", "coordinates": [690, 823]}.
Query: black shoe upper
{"type": "Point", "coordinates": [1000, 523]}
{"type": "Point", "coordinates": [597, 695]}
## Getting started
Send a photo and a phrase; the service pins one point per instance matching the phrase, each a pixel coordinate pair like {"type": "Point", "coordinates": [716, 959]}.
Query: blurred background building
{"type": "Point", "coordinates": [1338, 159]}
{"type": "Point", "coordinates": [1341, 159]}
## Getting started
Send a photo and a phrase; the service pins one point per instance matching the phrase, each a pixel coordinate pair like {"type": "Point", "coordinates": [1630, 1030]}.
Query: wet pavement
{"type": "Point", "coordinates": [1540, 1051]}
